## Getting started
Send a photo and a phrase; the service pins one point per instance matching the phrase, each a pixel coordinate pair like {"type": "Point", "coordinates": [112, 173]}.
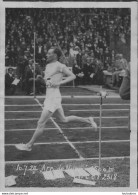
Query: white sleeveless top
{"type": "Point", "coordinates": [54, 71]}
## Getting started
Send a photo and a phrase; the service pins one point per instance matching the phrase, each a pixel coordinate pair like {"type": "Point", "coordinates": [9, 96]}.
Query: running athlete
{"type": "Point", "coordinates": [54, 78]}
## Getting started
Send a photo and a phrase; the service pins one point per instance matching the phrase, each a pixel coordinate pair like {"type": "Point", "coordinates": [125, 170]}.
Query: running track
{"type": "Point", "coordinates": [21, 116]}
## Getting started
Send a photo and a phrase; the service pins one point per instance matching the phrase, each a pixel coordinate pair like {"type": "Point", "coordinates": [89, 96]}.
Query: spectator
{"type": "Point", "coordinates": [98, 75]}
{"type": "Point", "coordinates": [124, 90]}
{"type": "Point", "coordinates": [79, 58]}
{"type": "Point", "coordinates": [120, 67]}
{"type": "Point", "coordinates": [88, 73]}
{"type": "Point", "coordinates": [29, 78]}
{"type": "Point", "coordinates": [79, 74]}
{"type": "Point", "coordinates": [39, 51]}
{"type": "Point", "coordinates": [92, 30]}
{"type": "Point", "coordinates": [10, 87]}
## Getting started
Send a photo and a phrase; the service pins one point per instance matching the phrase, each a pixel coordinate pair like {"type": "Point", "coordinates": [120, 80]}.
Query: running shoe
{"type": "Point", "coordinates": [93, 124]}
{"type": "Point", "coordinates": [23, 147]}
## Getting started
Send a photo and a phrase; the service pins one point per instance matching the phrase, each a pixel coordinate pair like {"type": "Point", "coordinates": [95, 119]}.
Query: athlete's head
{"type": "Point", "coordinates": [53, 54]}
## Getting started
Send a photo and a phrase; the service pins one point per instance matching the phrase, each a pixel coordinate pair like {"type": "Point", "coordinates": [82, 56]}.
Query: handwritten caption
{"type": "Point", "coordinates": [105, 173]}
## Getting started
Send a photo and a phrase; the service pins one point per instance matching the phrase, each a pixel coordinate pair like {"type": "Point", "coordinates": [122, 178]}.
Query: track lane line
{"type": "Point", "coordinates": [105, 117]}
{"type": "Point", "coordinates": [75, 142]}
{"type": "Point", "coordinates": [64, 96]}
{"type": "Point", "coordinates": [70, 104]}
{"type": "Point", "coordinates": [67, 160]}
{"type": "Point", "coordinates": [71, 128]}
{"type": "Point", "coordinates": [85, 110]}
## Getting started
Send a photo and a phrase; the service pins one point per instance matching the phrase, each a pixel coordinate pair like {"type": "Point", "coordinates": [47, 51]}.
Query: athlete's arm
{"type": "Point", "coordinates": [69, 76]}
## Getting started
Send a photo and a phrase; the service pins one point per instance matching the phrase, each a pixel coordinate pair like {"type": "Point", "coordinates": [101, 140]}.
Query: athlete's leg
{"type": "Point", "coordinates": [65, 119]}
{"type": "Point", "coordinates": [39, 130]}
{"type": "Point", "coordinates": [40, 126]}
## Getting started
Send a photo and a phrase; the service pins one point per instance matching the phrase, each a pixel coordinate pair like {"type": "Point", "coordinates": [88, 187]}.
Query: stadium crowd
{"type": "Point", "coordinates": [88, 38]}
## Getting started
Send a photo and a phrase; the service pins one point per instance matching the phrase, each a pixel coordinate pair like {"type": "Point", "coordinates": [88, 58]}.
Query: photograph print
{"type": "Point", "coordinates": [67, 97]}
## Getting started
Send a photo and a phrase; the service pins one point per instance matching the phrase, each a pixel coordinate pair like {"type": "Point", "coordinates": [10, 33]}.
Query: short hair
{"type": "Point", "coordinates": [58, 52]}
{"type": "Point", "coordinates": [119, 56]}
{"type": "Point", "coordinates": [10, 69]}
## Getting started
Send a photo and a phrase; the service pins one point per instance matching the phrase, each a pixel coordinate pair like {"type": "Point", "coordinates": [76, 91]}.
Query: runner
{"type": "Point", "coordinates": [54, 78]}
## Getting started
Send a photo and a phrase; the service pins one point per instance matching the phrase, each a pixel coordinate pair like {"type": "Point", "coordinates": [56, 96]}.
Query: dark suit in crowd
{"type": "Point", "coordinates": [88, 71]}
{"type": "Point", "coordinates": [124, 90]}
{"type": "Point", "coordinates": [79, 75]}
{"type": "Point", "coordinates": [79, 59]}
{"type": "Point", "coordinates": [9, 78]}
{"type": "Point", "coordinates": [29, 79]}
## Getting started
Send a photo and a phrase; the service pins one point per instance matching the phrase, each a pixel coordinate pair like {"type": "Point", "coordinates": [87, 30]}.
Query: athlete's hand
{"type": "Point", "coordinates": [48, 83]}
{"type": "Point", "coordinates": [53, 84]}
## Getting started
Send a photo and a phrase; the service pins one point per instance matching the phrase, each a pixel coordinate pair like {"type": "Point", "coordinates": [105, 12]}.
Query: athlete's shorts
{"type": "Point", "coordinates": [53, 100]}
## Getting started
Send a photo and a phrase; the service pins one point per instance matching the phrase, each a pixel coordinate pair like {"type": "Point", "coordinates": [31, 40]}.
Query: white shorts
{"type": "Point", "coordinates": [53, 100]}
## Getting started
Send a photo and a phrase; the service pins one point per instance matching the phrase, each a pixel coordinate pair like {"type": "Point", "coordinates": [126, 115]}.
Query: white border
{"type": "Point", "coordinates": [133, 110]}
{"type": "Point", "coordinates": [133, 157]}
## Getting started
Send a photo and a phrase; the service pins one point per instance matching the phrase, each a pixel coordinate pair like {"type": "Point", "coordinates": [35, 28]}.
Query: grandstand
{"type": "Point", "coordinates": [94, 35]}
